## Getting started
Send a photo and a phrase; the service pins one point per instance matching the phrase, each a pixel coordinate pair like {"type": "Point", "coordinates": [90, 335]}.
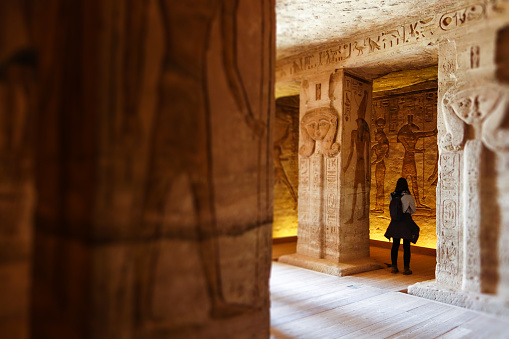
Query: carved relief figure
{"type": "Point", "coordinates": [484, 108]}
{"type": "Point", "coordinates": [381, 151]}
{"type": "Point", "coordinates": [168, 166]}
{"type": "Point", "coordinates": [360, 143]}
{"type": "Point", "coordinates": [408, 135]}
{"type": "Point", "coordinates": [319, 129]}
{"type": "Point", "coordinates": [279, 170]}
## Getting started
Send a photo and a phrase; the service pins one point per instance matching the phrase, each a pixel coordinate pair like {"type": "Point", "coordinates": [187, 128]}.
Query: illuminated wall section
{"type": "Point", "coordinates": [404, 143]}
{"type": "Point", "coordinates": [286, 175]}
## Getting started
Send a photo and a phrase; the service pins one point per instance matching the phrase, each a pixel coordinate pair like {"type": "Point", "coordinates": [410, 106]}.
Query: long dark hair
{"type": "Point", "coordinates": [401, 186]}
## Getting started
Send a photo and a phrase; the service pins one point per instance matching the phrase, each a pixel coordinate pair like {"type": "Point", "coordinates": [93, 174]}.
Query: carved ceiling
{"type": "Point", "coordinates": [305, 23]}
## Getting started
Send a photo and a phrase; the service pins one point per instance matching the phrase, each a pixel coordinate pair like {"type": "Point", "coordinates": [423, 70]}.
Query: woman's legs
{"type": "Point", "coordinates": [406, 253]}
{"type": "Point", "coordinates": [394, 253]}
{"type": "Point", "coordinates": [406, 256]}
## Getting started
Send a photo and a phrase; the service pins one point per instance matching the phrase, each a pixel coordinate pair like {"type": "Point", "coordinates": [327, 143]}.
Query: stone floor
{"type": "Point", "coordinates": [308, 304]}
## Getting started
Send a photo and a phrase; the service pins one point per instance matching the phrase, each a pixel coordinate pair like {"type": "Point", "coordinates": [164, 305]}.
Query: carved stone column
{"type": "Point", "coordinates": [472, 192]}
{"type": "Point", "coordinates": [334, 160]}
{"type": "Point", "coordinates": [154, 169]}
{"type": "Point", "coordinates": [17, 197]}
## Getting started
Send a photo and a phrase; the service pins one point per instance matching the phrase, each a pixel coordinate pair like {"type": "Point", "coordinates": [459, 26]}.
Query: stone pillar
{"type": "Point", "coordinates": [17, 77]}
{"type": "Point", "coordinates": [334, 177]}
{"type": "Point", "coordinates": [154, 164]}
{"type": "Point", "coordinates": [472, 191]}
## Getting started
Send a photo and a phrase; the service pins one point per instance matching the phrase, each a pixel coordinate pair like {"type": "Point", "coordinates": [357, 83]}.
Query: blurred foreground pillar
{"type": "Point", "coordinates": [154, 169]}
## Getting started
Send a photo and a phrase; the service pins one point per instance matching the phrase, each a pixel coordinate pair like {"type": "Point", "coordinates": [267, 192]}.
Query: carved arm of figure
{"type": "Point", "coordinates": [229, 43]}
{"type": "Point", "coordinates": [350, 155]}
{"type": "Point", "coordinates": [379, 156]}
{"type": "Point", "coordinates": [383, 152]}
{"type": "Point", "coordinates": [424, 134]}
{"type": "Point", "coordinates": [406, 144]}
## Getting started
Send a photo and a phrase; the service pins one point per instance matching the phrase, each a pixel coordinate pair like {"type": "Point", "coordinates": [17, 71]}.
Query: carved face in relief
{"type": "Point", "coordinates": [318, 128]}
{"type": "Point", "coordinates": [319, 131]}
{"type": "Point", "coordinates": [473, 105]}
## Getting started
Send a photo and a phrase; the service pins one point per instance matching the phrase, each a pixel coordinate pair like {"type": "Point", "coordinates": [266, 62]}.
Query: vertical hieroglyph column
{"type": "Point", "coordinates": [316, 187]}
{"type": "Point", "coordinates": [331, 204]}
{"type": "Point", "coordinates": [449, 188]}
{"type": "Point", "coordinates": [154, 169]}
{"type": "Point", "coordinates": [472, 216]}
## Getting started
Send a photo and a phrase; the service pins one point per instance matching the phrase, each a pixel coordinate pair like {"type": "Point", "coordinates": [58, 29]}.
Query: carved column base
{"type": "Point", "coordinates": [326, 266]}
{"type": "Point", "coordinates": [474, 301]}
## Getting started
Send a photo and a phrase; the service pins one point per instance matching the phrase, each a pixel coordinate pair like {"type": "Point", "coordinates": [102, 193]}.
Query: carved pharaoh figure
{"type": "Point", "coordinates": [408, 135]}
{"type": "Point", "coordinates": [169, 170]}
{"type": "Point", "coordinates": [280, 175]}
{"type": "Point", "coordinates": [360, 143]}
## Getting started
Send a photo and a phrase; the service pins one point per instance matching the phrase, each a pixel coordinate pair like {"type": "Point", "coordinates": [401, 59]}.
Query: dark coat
{"type": "Point", "coordinates": [404, 229]}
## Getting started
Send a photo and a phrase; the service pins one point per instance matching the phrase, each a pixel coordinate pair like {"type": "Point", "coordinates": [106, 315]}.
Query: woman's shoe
{"type": "Point", "coordinates": [394, 270]}
{"type": "Point", "coordinates": [407, 271]}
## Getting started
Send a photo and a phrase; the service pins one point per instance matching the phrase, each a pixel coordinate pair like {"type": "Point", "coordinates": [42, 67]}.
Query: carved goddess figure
{"type": "Point", "coordinates": [319, 129]}
{"type": "Point", "coordinates": [484, 108]}
{"type": "Point", "coordinates": [381, 150]}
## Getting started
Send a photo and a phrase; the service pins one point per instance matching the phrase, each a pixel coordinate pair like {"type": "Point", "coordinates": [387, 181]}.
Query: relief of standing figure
{"type": "Point", "coordinates": [408, 135]}
{"type": "Point", "coordinates": [360, 142]}
{"type": "Point", "coordinates": [381, 150]}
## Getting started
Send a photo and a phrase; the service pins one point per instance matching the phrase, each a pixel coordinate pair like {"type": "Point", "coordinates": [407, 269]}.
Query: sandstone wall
{"type": "Point", "coordinates": [389, 124]}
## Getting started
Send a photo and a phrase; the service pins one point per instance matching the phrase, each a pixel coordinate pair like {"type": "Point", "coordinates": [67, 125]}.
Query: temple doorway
{"type": "Point", "coordinates": [404, 144]}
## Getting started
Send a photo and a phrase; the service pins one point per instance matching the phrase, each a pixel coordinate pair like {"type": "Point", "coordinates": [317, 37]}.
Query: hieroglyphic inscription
{"type": "Point", "coordinates": [318, 91]}
{"type": "Point", "coordinates": [316, 227]}
{"type": "Point", "coordinates": [304, 190]}
{"type": "Point", "coordinates": [430, 106]}
{"type": "Point", "coordinates": [472, 217]}
{"type": "Point", "coordinates": [332, 207]}
{"type": "Point", "coordinates": [410, 32]}
{"type": "Point", "coordinates": [347, 100]}
{"type": "Point", "coordinates": [447, 218]}
{"type": "Point", "coordinates": [303, 205]}
{"type": "Point", "coordinates": [461, 17]}
{"type": "Point", "coordinates": [395, 109]}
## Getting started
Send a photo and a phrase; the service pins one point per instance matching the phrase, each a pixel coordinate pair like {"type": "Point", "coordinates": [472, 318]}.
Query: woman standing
{"type": "Point", "coordinates": [402, 226]}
